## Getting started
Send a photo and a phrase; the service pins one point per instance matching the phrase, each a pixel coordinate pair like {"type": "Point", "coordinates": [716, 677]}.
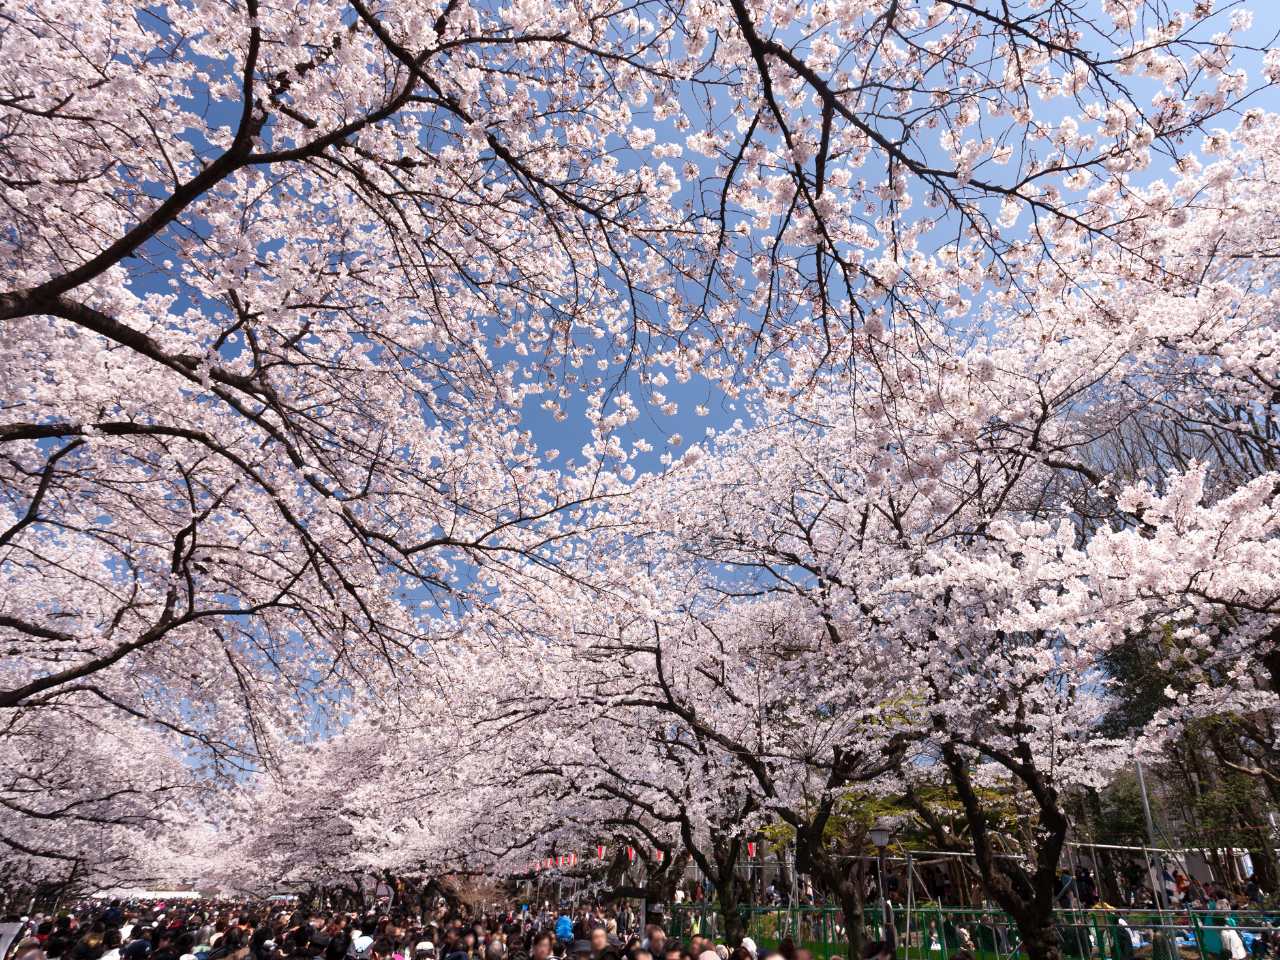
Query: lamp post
{"type": "Point", "coordinates": [880, 835]}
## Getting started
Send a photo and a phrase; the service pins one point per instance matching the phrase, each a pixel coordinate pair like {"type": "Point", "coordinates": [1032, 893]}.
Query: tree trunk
{"type": "Point", "coordinates": [839, 873]}
{"type": "Point", "coordinates": [1027, 896]}
{"type": "Point", "coordinates": [851, 905]}
{"type": "Point", "coordinates": [729, 896]}
{"type": "Point", "coordinates": [1264, 868]}
{"type": "Point", "coordinates": [735, 925]}
{"type": "Point", "coordinates": [1040, 940]}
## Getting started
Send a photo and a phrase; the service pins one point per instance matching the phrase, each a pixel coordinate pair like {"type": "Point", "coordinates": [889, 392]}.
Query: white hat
{"type": "Point", "coordinates": [750, 945]}
{"type": "Point", "coordinates": [361, 945]}
{"type": "Point", "coordinates": [424, 946]}
{"type": "Point", "coordinates": [708, 955]}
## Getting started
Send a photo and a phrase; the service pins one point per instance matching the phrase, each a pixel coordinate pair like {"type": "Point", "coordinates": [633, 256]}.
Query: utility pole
{"type": "Point", "coordinates": [1157, 880]}
{"type": "Point", "coordinates": [795, 879]}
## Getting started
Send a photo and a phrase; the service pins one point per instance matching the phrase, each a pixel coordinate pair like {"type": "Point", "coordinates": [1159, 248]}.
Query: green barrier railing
{"type": "Point", "coordinates": [932, 932]}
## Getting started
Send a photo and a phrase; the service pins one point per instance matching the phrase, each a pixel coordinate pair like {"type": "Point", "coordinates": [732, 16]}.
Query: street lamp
{"type": "Point", "coordinates": [880, 835]}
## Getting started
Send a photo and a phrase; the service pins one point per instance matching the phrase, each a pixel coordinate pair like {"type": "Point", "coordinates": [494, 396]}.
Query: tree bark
{"type": "Point", "coordinates": [852, 905]}
{"type": "Point", "coordinates": [1026, 895]}
{"type": "Point", "coordinates": [1040, 940]}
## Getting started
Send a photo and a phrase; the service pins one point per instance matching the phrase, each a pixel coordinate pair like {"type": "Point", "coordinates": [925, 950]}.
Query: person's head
{"type": "Point", "coordinates": [657, 940]}
{"type": "Point", "coordinates": [542, 947]}
{"type": "Point", "coordinates": [599, 940]}
{"type": "Point", "coordinates": [641, 954]}
{"type": "Point", "coordinates": [879, 950]}
{"type": "Point", "coordinates": [495, 951]}
{"type": "Point", "coordinates": [581, 950]}
{"type": "Point", "coordinates": [803, 954]}
{"type": "Point", "coordinates": [749, 946]}
{"type": "Point", "coordinates": [673, 952]}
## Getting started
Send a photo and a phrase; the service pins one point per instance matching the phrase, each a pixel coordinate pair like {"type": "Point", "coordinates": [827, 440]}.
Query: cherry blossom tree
{"type": "Point", "coordinates": [267, 282]}
{"type": "Point", "coordinates": [86, 795]}
{"type": "Point", "coordinates": [912, 573]}
{"type": "Point", "coordinates": [285, 289]}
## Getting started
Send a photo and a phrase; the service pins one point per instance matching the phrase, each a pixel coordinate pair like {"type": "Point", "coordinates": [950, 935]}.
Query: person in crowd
{"type": "Point", "coordinates": [61, 939]}
{"type": "Point", "coordinates": [1253, 890]}
{"type": "Point", "coordinates": [90, 946]}
{"type": "Point", "coordinates": [564, 932]}
{"type": "Point", "coordinates": [1233, 947]}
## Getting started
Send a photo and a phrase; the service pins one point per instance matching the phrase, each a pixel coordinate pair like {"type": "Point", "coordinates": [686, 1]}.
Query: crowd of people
{"type": "Point", "coordinates": [199, 930]}
{"type": "Point", "coordinates": [285, 930]}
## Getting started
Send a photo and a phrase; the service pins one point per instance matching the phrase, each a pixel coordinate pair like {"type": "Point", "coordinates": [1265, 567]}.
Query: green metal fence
{"type": "Point", "coordinates": [930, 932]}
